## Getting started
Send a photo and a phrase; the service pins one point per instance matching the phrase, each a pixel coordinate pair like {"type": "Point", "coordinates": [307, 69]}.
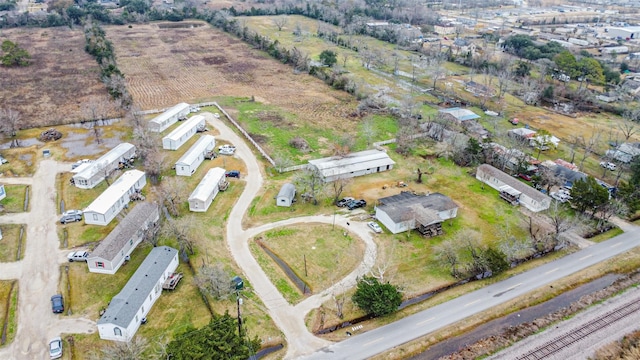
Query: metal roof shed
{"type": "Point", "coordinates": [93, 173]}
{"type": "Point", "coordinates": [190, 161]}
{"type": "Point", "coordinates": [352, 165]}
{"type": "Point", "coordinates": [182, 133]}
{"type": "Point", "coordinates": [460, 114]}
{"type": "Point", "coordinates": [203, 195]}
{"type": "Point", "coordinates": [286, 195]}
{"type": "Point", "coordinates": [161, 122]}
{"type": "Point", "coordinates": [108, 204]}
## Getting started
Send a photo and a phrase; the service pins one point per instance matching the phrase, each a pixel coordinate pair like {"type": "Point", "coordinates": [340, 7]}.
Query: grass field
{"type": "Point", "coordinates": [60, 79]}
{"type": "Point", "coordinates": [14, 202]}
{"type": "Point", "coordinates": [9, 243]}
{"type": "Point", "coordinates": [329, 256]}
{"type": "Point", "coordinates": [8, 308]}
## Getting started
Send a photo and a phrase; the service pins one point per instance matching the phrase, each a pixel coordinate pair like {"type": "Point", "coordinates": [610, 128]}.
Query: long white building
{"type": "Point", "coordinates": [352, 165]}
{"type": "Point", "coordinates": [189, 162]}
{"type": "Point", "coordinates": [109, 204]}
{"type": "Point", "coordinates": [161, 122]}
{"type": "Point", "coordinates": [94, 173]}
{"type": "Point", "coordinates": [203, 195]}
{"type": "Point", "coordinates": [183, 133]}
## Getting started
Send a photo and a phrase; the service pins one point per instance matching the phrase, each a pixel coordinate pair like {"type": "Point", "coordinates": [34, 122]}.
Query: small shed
{"type": "Point", "coordinates": [183, 133]}
{"type": "Point", "coordinates": [203, 195]}
{"type": "Point", "coordinates": [163, 121]}
{"type": "Point", "coordinates": [189, 162]}
{"type": "Point", "coordinates": [459, 115]}
{"type": "Point", "coordinates": [287, 195]}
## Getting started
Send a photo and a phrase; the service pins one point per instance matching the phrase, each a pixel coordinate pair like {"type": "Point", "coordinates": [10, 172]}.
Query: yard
{"type": "Point", "coordinates": [11, 244]}
{"type": "Point", "coordinates": [8, 310]}
{"type": "Point", "coordinates": [14, 202]}
{"type": "Point", "coordinates": [320, 255]}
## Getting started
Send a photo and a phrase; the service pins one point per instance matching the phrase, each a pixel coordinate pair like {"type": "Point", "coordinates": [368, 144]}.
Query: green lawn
{"type": "Point", "coordinates": [9, 243]}
{"type": "Point", "coordinates": [14, 202]}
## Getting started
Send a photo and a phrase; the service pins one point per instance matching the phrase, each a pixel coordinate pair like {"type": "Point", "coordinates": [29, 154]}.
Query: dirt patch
{"type": "Point", "coordinates": [202, 63]}
{"type": "Point", "coordinates": [275, 119]}
{"type": "Point", "coordinates": [61, 77]}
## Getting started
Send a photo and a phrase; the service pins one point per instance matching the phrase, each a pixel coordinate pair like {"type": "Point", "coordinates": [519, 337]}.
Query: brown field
{"type": "Point", "coordinates": [165, 64]}
{"type": "Point", "coordinates": [61, 77]}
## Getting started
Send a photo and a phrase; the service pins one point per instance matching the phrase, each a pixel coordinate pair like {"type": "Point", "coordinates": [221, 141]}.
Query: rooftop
{"type": "Point", "coordinates": [210, 180]}
{"type": "Point", "coordinates": [511, 181]}
{"type": "Point", "coordinates": [114, 192]}
{"type": "Point", "coordinates": [287, 190]}
{"type": "Point", "coordinates": [126, 229]}
{"type": "Point", "coordinates": [352, 162]}
{"type": "Point", "coordinates": [185, 127]}
{"type": "Point", "coordinates": [127, 303]}
{"type": "Point", "coordinates": [204, 143]}
{"type": "Point", "coordinates": [460, 114]}
{"type": "Point", "coordinates": [398, 206]}
{"type": "Point", "coordinates": [115, 154]}
{"type": "Point", "coordinates": [170, 112]}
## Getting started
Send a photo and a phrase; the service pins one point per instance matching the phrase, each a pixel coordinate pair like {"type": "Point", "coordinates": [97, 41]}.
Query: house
{"type": "Point", "coordinates": [614, 50]}
{"type": "Point", "coordinates": [626, 152]}
{"type": "Point", "coordinates": [510, 187]}
{"type": "Point", "coordinates": [352, 165]}
{"type": "Point", "coordinates": [286, 195]}
{"type": "Point", "coordinates": [93, 173]}
{"type": "Point", "coordinates": [444, 29]}
{"type": "Point", "coordinates": [203, 195]}
{"type": "Point", "coordinates": [183, 133]}
{"type": "Point", "coordinates": [510, 158]}
{"type": "Point", "coordinates": [117, 196]}
{"type": "Point", "coordinates": [111, 253]}
{"type": "Point", "coordinates": [126, 310]}
{"type": "Point", "coordinates": [521, 134]}
{"type": "Point", "coordinates": [163, 121]}
{"type": "Point", "coordinates": [408, 211]}
{"type": "Point", "coordinates": [544, 141]}
{"type": "Point", "coordinates": [458, 115]}
{"type": "Point", "coordinates": [627, 32]}
{"type": "Point", "coordinates": [189, 162]}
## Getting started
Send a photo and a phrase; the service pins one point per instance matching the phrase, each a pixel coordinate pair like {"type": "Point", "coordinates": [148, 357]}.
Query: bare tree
{"type": "Point", "coordinates": [447, 253]}
{"type": "Point", "coordinates": [345, 57]}
{"type": "Point", "coordinates": [181, 229]}
{"type": "Point", "coordinates": [280, 22]}
{"type": "Point", "coordinates": [574, 142]}
{"type": "Point", "coordinates": [338, 187]}
{"type": "Point", "coordinates": [311, 182]}
{"type": "Point", "coordinates": [505, 76]}
{"type": "Point", "coordinates": [590, 145]}
{"type": "Point", "coordinates": [125, 350]}
{"type": "Point", "coordinates": [153, 164]}
{"type": "Point", "coordinates": [628, 127]}
{"type": "Point", "coordinates": [214, 280]}
{"type": "Point", "coordinates": [561, 221]}
{"type": "Point", "coordinates": [172, 193]}
{"type": "Point", "coordinates": [96, 110]}
{"type": "Point", "coordinates": [10, 122]}
{"type": "Point", "coordinates": [368, 130]}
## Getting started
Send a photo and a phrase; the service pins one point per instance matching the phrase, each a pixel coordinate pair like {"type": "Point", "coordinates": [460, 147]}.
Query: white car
{"type": "Point", "coordinates": [55, 348]}
{"type": "Point", "coordinates": [608, 165]}
{"type": "Point", "coordinates": [226, 151]}
{"type": "Point", "coordinates": [375, 227]}
{"type": "Point", "coordinates": [226, 146]}
{"type": "Point", "coordinates": [78, 256]}
{"type": "Point", "coordinates": [561, 196]}
{"type": "Point", "coordinates": [72, 213]}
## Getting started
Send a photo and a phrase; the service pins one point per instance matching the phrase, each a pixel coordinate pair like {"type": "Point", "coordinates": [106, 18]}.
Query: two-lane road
{"type": "Point", "coordinates": [412, 327]}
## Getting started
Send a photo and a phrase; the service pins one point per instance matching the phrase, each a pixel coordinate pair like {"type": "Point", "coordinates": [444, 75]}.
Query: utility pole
{"type": "Point", "coordinates": [239, 315]}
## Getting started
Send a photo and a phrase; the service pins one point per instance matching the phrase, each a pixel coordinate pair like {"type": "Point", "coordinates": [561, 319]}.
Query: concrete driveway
{"type": "Point", "coordinates": [37, 273]}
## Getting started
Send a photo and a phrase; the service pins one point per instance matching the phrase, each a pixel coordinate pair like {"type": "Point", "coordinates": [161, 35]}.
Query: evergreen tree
{"type": "Point", "coordinates": [376, 298]}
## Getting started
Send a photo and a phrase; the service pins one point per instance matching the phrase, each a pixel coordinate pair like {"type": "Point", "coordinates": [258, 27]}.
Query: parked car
{"type": "Point", "coordinates": [77, 256]}
{"type": "Point", "coordinates": [55, 348]}
{"type": "Point", "coordinates": [525, 177]}
{"type": "Point", "coordinates": [72, 213]}
{"type": "Point", "coordinates": [65, 219]}
{"type": "Point", "coordinates": [226, 146]}
{"type": "Point", "coordinates": [344, 201]}
{"type": "Point", "coordinates": [232, 173]}
{"type": "Point", "coordinates": [561, 196]}
{"type": "Point", "coordinates": [57, 304]}
{"type": "Point", "coordinates": [354, 204]}
{"type": "Point", "coordinates": [80, 162]}
{"type": "Point", "coordinates": [514, 121]}
{"type": "Point", "coordinates": [375, 227]}
{"type": "Point", "coordinates": [226, 151]}
{"type": "Point", "coordinates": [608, 165]}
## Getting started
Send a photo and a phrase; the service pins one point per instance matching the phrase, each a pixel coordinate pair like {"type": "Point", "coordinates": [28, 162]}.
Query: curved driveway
{"type": "Point", "coordinates": [290, 319]}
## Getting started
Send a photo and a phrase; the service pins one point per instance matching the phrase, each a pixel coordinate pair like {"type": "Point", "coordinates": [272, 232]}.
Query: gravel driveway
{"type": "Point", "coordinates": [37, 272]}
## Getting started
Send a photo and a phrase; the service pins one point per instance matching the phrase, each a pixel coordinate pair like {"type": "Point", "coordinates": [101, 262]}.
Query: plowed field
{"type": "Point", "coordinates": [167, 63]}
{"type": "Point", "coordinates": [61, 77]}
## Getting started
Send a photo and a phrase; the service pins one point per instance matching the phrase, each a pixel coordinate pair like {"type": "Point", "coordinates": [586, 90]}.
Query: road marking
{"type": "Point", "coordinates": [514, 286]}
{"type": "Point", "coordinates": [550, 271]}
{"type": "Point", "coordinates": [425, 321]}
{"type": "Point", "coordinates": [471, 303]}
{"type": "Point", "coordinates": [615, 245]}
{"type": "Point", "coordinates": [371, 342]}
{"type": "Point", "coordinates": [585, 257]}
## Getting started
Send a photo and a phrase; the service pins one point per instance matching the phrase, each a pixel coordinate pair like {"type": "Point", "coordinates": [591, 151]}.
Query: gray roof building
{"type": "Point", "coordinates": [352, 165]}
{"type": "Point", "coordinates": [396, 206]}
{"type": "Point", "coordinates": [124, 306]}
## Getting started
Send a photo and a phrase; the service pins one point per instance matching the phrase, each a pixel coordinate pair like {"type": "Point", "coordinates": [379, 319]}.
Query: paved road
{"type": "Point", "coordinates": [412, 327]}
{"type": "Point", "coordinates": [37, 272]}
{"type": "Point", "coordinates": [288, 318]}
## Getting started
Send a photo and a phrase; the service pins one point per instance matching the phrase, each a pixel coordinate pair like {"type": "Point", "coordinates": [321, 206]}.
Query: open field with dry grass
{"type": "Point", "coordinates": [61, 78]}
{"type": "Point", "coordinates": [8, 306]}
{"type": "Point", "coordinates": [10, 243]}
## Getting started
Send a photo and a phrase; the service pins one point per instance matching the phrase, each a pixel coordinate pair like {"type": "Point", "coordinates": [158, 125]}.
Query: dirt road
{"type": "Point", "coordinates": [289, 318]}
{"type": "Point", "coordinates": [38, 272]}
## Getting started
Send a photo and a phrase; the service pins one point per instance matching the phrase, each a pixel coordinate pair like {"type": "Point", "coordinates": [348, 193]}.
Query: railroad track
{"type": "Point", "coordinates": [557, 344]}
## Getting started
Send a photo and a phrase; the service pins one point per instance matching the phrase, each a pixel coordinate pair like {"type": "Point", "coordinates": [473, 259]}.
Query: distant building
{"type": "Point", "coordinates": [513, 190]}
{"type": "Point", "coordinates": [614, 50]}
{"type": "Point", "coordinates": [408, 211]}
{"type": "Point", "coordinates": [625, 153]}
{"type": "Point", "coordinates": [628, 32]}
{"type": "Point", "coordinates": [458, 114]}
{"type": "Point", "coordinates": [126, 310]}
{"type": "Point", "coordinates": [203, 195]}
{"type": "Point", "coordinates": [93, 173]}
{"type": "Point", "coordinates": [287, 195]}
{"type": "Point", "coordinates": [191, 160]}
{"type": "Point", "coordinates": [163, 121]}
{"type": "Point", "coordinates": [180, 135]}
{"type": "Point", "coordinates": [352, 165]}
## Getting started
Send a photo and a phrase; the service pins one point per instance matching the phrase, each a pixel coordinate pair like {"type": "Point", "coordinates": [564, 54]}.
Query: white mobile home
{"type": "Point", "coordinates": [183, 133]}
{"type": "Point", "coordinates": [109, 204]}
{"type": "Point", "coordinates": [126, 310]}
{"type": "Point", "coordinates": [161, 122]}
{"type": "Point", "coordinates": [352, 165]}
{"type": "Point", "coordinates": [93, 173]}
{"type": "Point", "coordinates": [287, 195]}
{"type": "Point", "coordinates": [207, 189]}
{"type": "Point", "coordinates": [523, 194]}
{"type": "Point", "coordinates": [107, 257]}
{"type": "Point", "coordinates": [189, 162]}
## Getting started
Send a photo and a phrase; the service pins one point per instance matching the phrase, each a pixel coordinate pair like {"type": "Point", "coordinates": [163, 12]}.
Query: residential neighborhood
{"type": "Point", "coordinates": [270, 180]}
